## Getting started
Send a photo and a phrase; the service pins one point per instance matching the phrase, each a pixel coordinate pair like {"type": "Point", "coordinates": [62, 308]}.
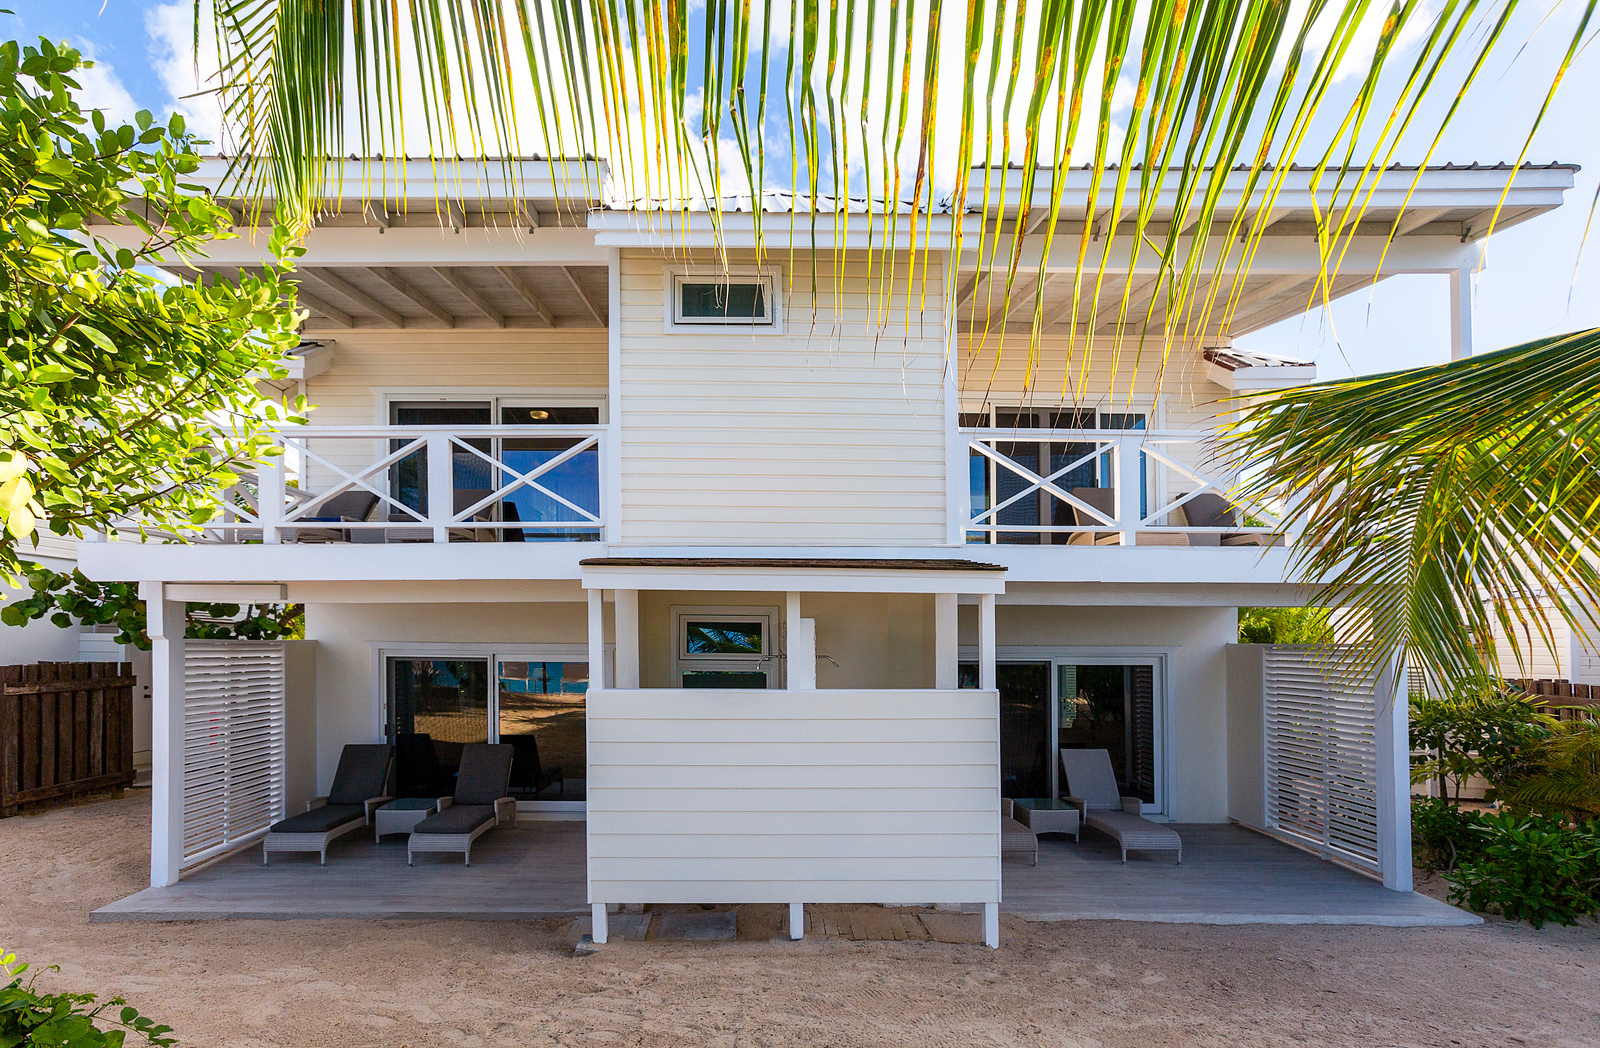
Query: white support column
{"type": "Point", "coordinates": [797, 920]}
{"type": "Point", "coordinates": [1393, 740]}
{"type": "Point", "coordinates": [441, 486]}
{"type": "Point", "coordinates": [1130, 475]}
{"type": "Point", "coordinates": [958, 475]}
{"type": "Point", "coordinates": [611, 446]}
{"type": "Point", "coordinates": [946, 648]}
{"type": "Point", "coordinates": [991, 925]}
{"type": "Point", "coordinates": [627, 644]}
{"type": "Point", "coordinates": [801, 646]}
{"type": "Point", "coordinates": [597, 640]}
{"type": "Point", "coordinates": [1460, 314]}
{"type": "Point", "coordinates": [986, 675]}
{"type": "Point", "coordinates": [598, 931]}
{"type": "Point", "coordinates": [270, 500]}
{"type": "Point", "coordinates": [165, 622]}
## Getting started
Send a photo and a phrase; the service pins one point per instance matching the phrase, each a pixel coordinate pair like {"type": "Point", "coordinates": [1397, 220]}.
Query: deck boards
{"type": "Point", "coordinates": [1229, 875]}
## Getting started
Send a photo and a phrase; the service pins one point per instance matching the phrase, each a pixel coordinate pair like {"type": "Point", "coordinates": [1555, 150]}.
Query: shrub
{"type": "Point", "coordinates": [1285, 626]}
{"type": "Point", "coordinates": [1532, 869]}
{"type": "Point", "coordinates": [1477, 730]}
{"type": "Point", "coordinates": [66, 1020]}
{"type": "Point", "coordinates": [1443, 834]}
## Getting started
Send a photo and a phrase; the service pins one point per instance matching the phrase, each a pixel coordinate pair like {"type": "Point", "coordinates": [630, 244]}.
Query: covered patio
{"type": "Point", "coordinates": [1229, 875]}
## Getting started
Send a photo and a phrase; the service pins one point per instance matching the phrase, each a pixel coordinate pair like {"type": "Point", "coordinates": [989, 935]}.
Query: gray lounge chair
{"type": "Point", "coordinates": [1102, 499]}
{"type": "Point", "coordinates": [1101, 806]}
{"type": "Point", "coordinates": [1210, 510]}
{"type": "Point", "coordinates": [482, 801]}
{"type": "Point", "coordinates": [1015, 837]}
{"type": "Point", "coordinates": [359, 789]}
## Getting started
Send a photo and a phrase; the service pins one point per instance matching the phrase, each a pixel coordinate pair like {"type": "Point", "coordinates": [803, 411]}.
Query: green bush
{"type": "Point", "coordinates": [1532, 869]}
{"type": "Point", "coordinates": [1443, 834]}
{"type": "Point", "coordinates": [66, 1020]}
{"type": "Point", "coordinates": [1285, 626]}
{"type": "Point", "coordinates": [1477, 729]}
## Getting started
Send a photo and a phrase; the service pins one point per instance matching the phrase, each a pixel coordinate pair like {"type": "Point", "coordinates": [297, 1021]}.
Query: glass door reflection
{"type": "Point", "coordinates": [542, 714]}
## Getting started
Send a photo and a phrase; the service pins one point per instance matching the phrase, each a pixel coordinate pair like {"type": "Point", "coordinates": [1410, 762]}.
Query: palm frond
{"type": "Point", "coordinates": [1225, 92]}
{"type": "Point", "coordinates": [1442, 500]}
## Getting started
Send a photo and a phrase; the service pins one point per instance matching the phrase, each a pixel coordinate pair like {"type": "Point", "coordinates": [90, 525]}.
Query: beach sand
{"type": "Point", "coordinates": [466, 983]}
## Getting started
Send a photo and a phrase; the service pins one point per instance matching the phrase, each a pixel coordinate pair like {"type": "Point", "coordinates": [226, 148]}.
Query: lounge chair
{"type": "Point", "coordinates": [1102, 499]}
{"type": "Point", "coordinates": [1210, 510]}
{"type": "Point", "coordinates": [481, 803]}
{"type": "Point", "coordinates": [358, 790]}
{"type": "Point", "coordinates": [1101, 806]}
{"type": "Point", "coordinates": [347, 507]}
{"type": "Point", "coordinates": [1015, 837]}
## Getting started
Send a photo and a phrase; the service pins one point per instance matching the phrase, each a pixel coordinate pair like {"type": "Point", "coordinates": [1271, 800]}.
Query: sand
{"type": "Point", "coordinates": [422, 984]}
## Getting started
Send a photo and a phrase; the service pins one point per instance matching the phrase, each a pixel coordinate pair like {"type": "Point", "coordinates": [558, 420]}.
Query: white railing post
{"type": "Point", "coordinates": [270, 494]}
{"type": "Point", "coordinates": [441, 486]}
{"type": "Point", "coordinates": [1130, 474]}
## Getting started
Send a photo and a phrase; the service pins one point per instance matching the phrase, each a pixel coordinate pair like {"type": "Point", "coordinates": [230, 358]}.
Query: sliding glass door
{"type": "Point", "coordinates": [436, 706]}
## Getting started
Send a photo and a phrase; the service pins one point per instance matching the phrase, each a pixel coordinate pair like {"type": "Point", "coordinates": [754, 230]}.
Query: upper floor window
{"type": "Point", "coordinates": [708, 299]}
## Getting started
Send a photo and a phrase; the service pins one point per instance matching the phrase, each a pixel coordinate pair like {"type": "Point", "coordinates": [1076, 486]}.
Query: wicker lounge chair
{"type": "Point", "coordinates": [1094, 791]}
{"type": "Point", "coordinates": [358, 790]}
{"type": "Point", "coordinates": [1015, 837]}
{"type": "Point", "coordinates": [481, 803]}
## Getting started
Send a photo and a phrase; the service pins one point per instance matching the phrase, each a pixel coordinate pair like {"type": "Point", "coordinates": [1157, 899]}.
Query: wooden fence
{"type": "Point", "coordinates": [65, 728]}
{"type": "Point", "coordinates": [1566, 700]}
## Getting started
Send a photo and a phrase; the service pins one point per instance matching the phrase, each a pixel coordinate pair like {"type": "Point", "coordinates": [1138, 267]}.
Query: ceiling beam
{"type": "Point", "coordinates": [471, 294]}
{"type": "Point", "coordinates": [521, 287]}
{"type": "Point", "coordinates": [594, 308]}
{"type": "Point", "coordinates": [1411, 221]}
{"type": "Point", "coordinates": [414, 296]}
{"type": "Point", "coordinates": [377, 217]}
{"type": "Point", "coordinates": [356, 295]}
{"type": "Point", "coordinates": [338, 316]}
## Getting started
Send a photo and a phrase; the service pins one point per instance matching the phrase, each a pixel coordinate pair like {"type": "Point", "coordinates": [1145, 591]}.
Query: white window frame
{"type": "Point", "coordinates": [1159, 659]}
{"type": "Point", "coordinates": [769, 660]}
{"type": "Point", "coordinates": [383, 651]}
{"type": "Point", "coordinates": [672, 312]}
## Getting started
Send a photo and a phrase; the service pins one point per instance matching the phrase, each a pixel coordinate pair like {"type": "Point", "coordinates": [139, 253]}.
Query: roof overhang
{"type": "Point", "coordinates": [785, 574]}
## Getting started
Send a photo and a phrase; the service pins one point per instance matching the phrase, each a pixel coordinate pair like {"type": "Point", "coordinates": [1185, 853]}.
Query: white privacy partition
{"type": "Point", "coordinates": [794, 796]}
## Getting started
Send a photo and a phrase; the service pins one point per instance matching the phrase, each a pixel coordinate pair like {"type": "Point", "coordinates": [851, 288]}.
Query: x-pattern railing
{"type": "Point", "coordinates": [1143, 465]}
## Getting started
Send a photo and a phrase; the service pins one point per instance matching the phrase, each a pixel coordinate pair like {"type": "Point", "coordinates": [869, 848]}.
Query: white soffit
{"type": "Point", "coordinates": [804, 575]}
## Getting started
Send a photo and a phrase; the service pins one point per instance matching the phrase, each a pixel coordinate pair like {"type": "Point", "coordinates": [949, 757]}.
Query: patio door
{"type": "Point", "coordinates": [436, 707]}
{"type": "Point", "coordinates": [1025, 751]}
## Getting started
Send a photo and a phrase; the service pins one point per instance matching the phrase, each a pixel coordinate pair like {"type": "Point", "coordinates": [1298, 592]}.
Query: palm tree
{"type": "Point", "coordinates": [1443, 500]}
{"type": "Point", "coordinates": [698, 109]}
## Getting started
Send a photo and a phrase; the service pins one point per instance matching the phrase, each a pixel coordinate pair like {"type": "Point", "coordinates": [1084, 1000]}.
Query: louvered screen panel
{"type": "Point", "coordinates": [233, 743]}
{"type": "Point", "coordinates": [1143, 693]}
{"type": "Point", "coordinates": [1322, 785]}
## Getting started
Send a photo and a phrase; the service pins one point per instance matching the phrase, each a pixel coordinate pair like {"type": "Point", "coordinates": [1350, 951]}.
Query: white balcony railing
{"type": "Point", "coordinates": [1107, 487]}
{"type": "Point", "coordinates": [374, 484]}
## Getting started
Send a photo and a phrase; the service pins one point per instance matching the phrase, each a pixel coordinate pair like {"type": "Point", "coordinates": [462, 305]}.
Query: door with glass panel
{"type": "Point", "coordinates": [540, 712]}
{"type": "Point", "coordinates": [436, 707]}
{"type": "Point", "coordinates": [569, 486]}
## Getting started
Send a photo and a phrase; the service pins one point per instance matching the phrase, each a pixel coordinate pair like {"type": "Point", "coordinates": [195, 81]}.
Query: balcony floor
{"type": "Point", "coordinates": [1229, 876]}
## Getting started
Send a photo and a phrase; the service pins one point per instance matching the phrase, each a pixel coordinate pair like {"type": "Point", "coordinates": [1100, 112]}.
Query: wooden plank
{"type": "Point", "coordinates": [49, 767]}
{"type": "Point", "coordinates": [10, 733]}
{"type": "Point", "coordinates": [29, 779]}
{"type": "Point", "coordinates": [56, 687]}
{"type": "Point", "coordinates": [80, 734]}
{"type": "Point", "coordinates": [97, 731]}
{"type": "Point", "coordinates": [126, 700]}
{"type": "Point", "coordinates": [67, 789]}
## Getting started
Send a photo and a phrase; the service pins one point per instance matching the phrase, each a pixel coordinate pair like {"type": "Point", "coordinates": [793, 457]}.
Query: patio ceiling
{"type": "Point", "coordinates": [439, 297]}
{"type": "Point", "coordinates": [1266, 298]}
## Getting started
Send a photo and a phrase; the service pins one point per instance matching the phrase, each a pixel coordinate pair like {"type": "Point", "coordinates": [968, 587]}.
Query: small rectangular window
{"type": "Point", "coordinates": [728, 300]}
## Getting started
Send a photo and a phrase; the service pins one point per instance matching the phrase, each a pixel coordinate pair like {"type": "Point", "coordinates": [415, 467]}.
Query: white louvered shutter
{"type": "Point", "coordinates": [233, 769]}
{"type": "Point", "coordinates": [1321, 749]}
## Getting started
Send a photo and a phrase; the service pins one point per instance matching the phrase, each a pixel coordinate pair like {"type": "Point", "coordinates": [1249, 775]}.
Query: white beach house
{"type": "Point", "coordinates": [793, 572]}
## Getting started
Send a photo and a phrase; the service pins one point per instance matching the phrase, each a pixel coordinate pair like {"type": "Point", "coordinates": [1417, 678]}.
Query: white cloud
{"type": "Point", "coordinates": [101, 89]}
{"type": "Point", "coordinates": [172, 55]}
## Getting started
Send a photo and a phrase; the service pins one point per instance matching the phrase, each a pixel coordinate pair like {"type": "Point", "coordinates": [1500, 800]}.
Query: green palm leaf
{"type": "Point", "coordinates": [1442, 501]}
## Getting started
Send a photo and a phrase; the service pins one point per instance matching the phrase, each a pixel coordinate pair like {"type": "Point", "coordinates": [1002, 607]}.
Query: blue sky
{"type": "Point", "coordinates": [1526, 290]}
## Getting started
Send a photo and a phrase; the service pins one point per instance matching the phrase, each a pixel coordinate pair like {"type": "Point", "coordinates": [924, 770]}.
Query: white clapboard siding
{"type": "Point", "coordinates": [233, 768]}
{"type": "Point", "coordinates": [1321, 754]}
{"type": "Point", "coordinates": [805, 796]}
{"type": "Point", "coordinates": [831, 433]}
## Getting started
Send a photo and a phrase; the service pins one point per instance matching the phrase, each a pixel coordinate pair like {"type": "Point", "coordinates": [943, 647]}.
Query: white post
{"type": "Point", "coordinates": [269, 500]}
{"type": "Point", "coordinates": [598, 931]}
{"type": "Point", "coordinates": [441, 486]}
{"type": "Point", "coordinates": [627, 644]}
{"type": "Point", "coordinates": [986, 675]}
{"type": "Point", "coordinates": [1393, 740]}
{"type": "Point", "coordinates": [597, 640]}
{"type": "Point", "coordinates": [165, 621]}
{"type": "Point", "coordinates": [991, 925]}
{"type": "Point", "coordinates": [797, 920]}
{"type": "Point", "coordinates": [1460, 314]}
{"type": "Point", "coordinates": [1130, 475]}
{"type": "Point", "coordinates": [802, 647]}
{"type": "Point", "coordinates": [611, 443]}
{"type": "Point", "coordinates": [946, 649]}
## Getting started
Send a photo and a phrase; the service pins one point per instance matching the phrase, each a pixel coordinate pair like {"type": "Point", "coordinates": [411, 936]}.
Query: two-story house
{"type": "Point", "coordinates": [793, 569]}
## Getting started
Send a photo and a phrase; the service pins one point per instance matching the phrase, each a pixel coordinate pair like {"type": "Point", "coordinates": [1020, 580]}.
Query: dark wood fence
{"type": "Point", "coordinates": [1568, 701]}
{"type": "Point", "coordinates": [65, 728]}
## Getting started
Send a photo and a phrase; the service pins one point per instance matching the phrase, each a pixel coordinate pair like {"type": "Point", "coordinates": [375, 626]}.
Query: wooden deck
{"type": "Point", "coordinates": [1229, 876]}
